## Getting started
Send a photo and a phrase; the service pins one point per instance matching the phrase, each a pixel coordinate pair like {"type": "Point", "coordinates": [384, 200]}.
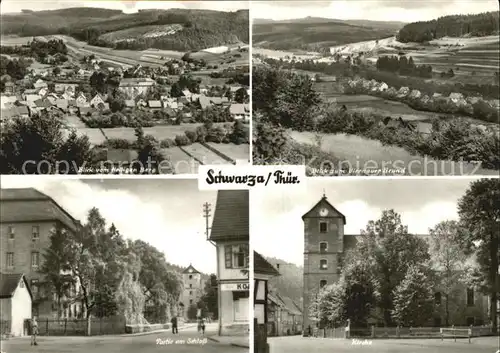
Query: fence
{"type": "Point", "coordinates": [401, 332]}
{"type": "Point", "coordinates": [78, 327]}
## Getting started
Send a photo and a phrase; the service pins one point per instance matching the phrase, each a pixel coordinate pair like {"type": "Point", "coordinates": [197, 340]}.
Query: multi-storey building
{"type": "Point", "coordinates": [324, 247]}
{"type": "Point", "coordinates": [27, 220]}
{"type": "Point", "coordinates": [230, 234]}
{"type": "Point", "coordinates": [193, 288]}
{"type": "Point", "coordinates": [134, 87]}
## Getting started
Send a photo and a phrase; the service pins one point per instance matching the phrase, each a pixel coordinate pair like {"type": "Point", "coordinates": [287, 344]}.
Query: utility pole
{"type": "Point", "coordinates": [207, 213]}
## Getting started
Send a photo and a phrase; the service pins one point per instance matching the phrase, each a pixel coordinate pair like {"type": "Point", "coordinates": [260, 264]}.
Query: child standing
{"type": "Point", "coordinates": [34, 331]}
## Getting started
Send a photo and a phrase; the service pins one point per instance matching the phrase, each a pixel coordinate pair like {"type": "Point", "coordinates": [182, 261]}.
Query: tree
{"type": "Point", "coordinates": [392, 250]}
{"type": "Point", "coordinates": [55, 270]}
{"type": "Point", "coordinates": [38, 146]}
{"type": "Point", "coordinates": [98, 81]}
{"type": "Point", "coordinates": [241, 96]}
{"type": "Point", "coordinates": [210, 296]}
{"type": "Point", "coordinates": [192, 312]}
{"type": "Point", "coordinates": [117, 101]}
{"type": "Point", "coordinates": [449, 261]}
{"type": "Point", "coordinates": [413, 297]}
{"type": "Point", "coordinates": [161, 287]}
{"type": "Point", "coordinates": [479, 212]}
{"type": "Point", "coordinates": [56, 71]}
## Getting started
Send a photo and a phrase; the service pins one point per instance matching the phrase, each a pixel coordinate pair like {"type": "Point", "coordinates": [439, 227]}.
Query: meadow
{"type": "Point", "coordinates": [362, 153]}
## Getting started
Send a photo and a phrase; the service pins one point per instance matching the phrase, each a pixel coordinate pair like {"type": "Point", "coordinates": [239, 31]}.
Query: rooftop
{"type": "Point", "coordinates": [231, 216]}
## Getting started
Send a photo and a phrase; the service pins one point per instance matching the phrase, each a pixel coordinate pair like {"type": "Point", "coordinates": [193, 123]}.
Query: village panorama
{"type": "Point", "coordinates": [370, 97]}
{"type": "Point", "coordinates": [95, 90]}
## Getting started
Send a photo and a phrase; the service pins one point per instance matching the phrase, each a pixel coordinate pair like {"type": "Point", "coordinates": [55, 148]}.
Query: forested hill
{"type": "Point", "coordinates": [290, 283]}
{"type": "Point", "coordinates": [317, 34]}
{"type": "Point", "coordinates": [173, 29]}
{"type": "Point", "coordinates": [483, 24]}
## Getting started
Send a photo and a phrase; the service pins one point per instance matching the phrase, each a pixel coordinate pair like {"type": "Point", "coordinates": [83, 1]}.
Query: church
{"type": "Point", "coordinates": [325, 245]}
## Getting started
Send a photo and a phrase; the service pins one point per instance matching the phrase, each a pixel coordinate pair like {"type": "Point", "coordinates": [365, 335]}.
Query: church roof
{"type": "Point", "coordinates": [190, 269]}
{"type": "Point", "coordinates": [325, 202]}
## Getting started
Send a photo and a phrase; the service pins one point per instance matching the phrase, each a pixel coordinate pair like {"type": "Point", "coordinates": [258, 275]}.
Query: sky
{"type": "Point", "coordinates": [165, 213]}
{"type": "Point", "coordinates": [8, 6]}
{"type": "Point", "coordinates": [276, 225]}
{"type": "Point", "coordinates": [377, 10]}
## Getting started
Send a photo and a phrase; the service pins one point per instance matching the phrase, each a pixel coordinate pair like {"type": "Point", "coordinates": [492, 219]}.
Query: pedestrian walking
{"type": "Point", "coordinates": [202, 326]}
{"type": "Point", "coordinates": [199, 324]}
{"type": "Point", "coordinates": [34, 331]}
{"type": "Point", "coordinates": [174, 325]}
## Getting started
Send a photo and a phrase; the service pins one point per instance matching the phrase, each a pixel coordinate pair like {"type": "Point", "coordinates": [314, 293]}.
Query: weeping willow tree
{"type": "Point", "coordinates": [130, 298]}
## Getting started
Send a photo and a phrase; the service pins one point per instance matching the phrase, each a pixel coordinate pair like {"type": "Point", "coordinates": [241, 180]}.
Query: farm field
{"type": "Point", "coordinates": [159, 132]}
{"type": "Point", "coordinates": [11, 40]}
{"type": "Point", "coordinates": [95, 136]}
{"type": "Point", "coordinates": [72, 121]}
{"type": "Point", "coordinates": [204, 155]}
{"type": "Point", "coordinates": [277, 54]}
{"type": "Point", "coordinates": [180, 161]}
{"type": "Point", "coordinates": [359, 152]}
{"type": "Point", "coordinates": [150, 31]}
{"type": "Point", "coordinates": [235, 152]}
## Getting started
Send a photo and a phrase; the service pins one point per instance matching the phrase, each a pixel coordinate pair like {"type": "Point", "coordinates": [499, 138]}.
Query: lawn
{"type": "Point", "coordinates": [235, 152]}
{"type": "Point", "coordinates": [362, 153]}
{"type": "Point", "coordinates": [204, 155]}
{"type": "Point", "coordinates": [10, 40]}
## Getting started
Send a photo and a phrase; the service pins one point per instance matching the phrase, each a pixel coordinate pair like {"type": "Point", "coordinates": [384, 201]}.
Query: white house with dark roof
{"type": "Point", "coordinates": [16, 301]}
{"type": "Point", "coordinates": [230, 235]}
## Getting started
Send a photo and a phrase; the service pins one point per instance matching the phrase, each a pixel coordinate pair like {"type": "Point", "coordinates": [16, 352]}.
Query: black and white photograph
{"type": "Point", "coordinates": [118, 265]}
{"type": "Point", "coordinates": [377, 87]}
{"type": "Point", "coordinates": [387, 265]}
{"type": "Point", "coordinates": [123, 87]}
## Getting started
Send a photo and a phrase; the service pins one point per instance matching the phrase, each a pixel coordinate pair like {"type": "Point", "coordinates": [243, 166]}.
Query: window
{"type": "Point", "coordinates": [190, 301]}
{"type": "Point", "coordinates": [470, 321]}
{"type": "Point", "coordinates": [190, 286]}
{"type": "Point", "coordinates": [35, 233]}
{"type": "Point", "coordinates": [236, 256]}
{"type": "Point", "coordinates": [323, 227]}
{"type": "Point", "coordinates": [12, 232]}
{"type": "Point", "coordinates": [470, 296]}
{"type": "Point", "coordinates": [437, 298]}
{"type": "Point", "coordinates": [21, 284]}
{"type": "Point", "coordinates": [190, 276]}
{"type": "Point", "coordinates": [35, 259]}
{"type": "Point", "coordinates": [34, 286]}
{"type": "Point", "coordinates": [322, 283]}
{"type": "Point", "coordinates": [437, 322]}
{"type": "Point", "coordinates": [323, 264]}
{"type": "Point", "coordinates": [323, 246]}
{"type": "Point", "coordinates": [10, 260]}
{"type": "Point", "coordinates": [190, 292]}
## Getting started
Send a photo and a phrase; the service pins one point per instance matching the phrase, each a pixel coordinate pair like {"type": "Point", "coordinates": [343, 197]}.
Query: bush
{"type": "Point", "coordinates": [240, 134]}
{"type": "Point", "coordinates": [167, 143]}
{"type": "Point", "coordinates": [269, 142]}
{"type": "Point", "coordinates": [191, 135]}
{"type": "Point", "coordinates": [119, 143]}
{"type": "Point", "coordinates": [217, 134]}
{"type": "Point", "coordinates": [182, 140]}
{"type": "Point", "coordinates": [201, 132]}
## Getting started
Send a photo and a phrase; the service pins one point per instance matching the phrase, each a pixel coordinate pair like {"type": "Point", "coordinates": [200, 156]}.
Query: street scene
{"type": "Point", "coordinates": [389, 265]}
{"type": "Point", "coordinates": [126, 87]}
{"type": "Point", "coordinates": [109, 266]}
{"type": "Point", "coordinates": [378, 87]}
{"type": "Point", "coordinates": [187, 341]}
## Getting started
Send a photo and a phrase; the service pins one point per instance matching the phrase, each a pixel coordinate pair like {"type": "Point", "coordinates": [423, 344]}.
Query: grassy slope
{"type": "Point", "coordinates": [314, 33]}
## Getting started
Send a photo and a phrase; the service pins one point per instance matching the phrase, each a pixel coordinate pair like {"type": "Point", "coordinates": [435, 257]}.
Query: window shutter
{"type": "Point", "coordinates": [228, 256]}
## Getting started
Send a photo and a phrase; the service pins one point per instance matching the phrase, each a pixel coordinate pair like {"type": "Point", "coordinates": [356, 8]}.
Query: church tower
{"type": "Point", "coordinates": [323, 248]}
